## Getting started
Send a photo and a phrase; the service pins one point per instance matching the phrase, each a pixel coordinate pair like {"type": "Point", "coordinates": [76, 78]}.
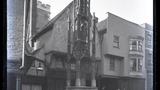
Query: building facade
{"type": "Point", "coordinates": [15, 25]}
{"type": "Point", "coordinates": [14, 40]}
{"type": "Point", "coordinates": [122, 53]}
{"type": "Point", "coordinates": [53, 37]}
{"type": "Point", "coordinates": [149, 54]}
{"type": "Point", "coordinates": [119, 55]}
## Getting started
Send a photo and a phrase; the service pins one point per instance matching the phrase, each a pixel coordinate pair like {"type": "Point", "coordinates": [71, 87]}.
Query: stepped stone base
{"type": "Point", "coordinates": [81, 88]}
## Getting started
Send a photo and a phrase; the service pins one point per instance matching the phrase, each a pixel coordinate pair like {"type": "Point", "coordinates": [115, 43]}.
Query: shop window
{"type": "Point", "coordinates": [31, 87]}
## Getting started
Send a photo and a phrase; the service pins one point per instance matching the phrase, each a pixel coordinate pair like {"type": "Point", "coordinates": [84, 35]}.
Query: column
{"type": "Point", "coordinates": [68, 75]}
{"type": "Point", "coordinates": [83, 77]}
{"type": "Point", "coordinates": [18, 83]}
{"type": "Point", "coordinates": [93, 81]}
{"type": "Point", "coordinates": [78, 81]}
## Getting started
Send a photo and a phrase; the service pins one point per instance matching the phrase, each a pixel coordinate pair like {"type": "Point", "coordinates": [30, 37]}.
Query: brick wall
{"type": "Point", "coordinates": [14, 29]}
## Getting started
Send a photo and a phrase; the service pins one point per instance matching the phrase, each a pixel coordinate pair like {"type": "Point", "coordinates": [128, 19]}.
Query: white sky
{"type": "Point", "coordinates": [137, 11]}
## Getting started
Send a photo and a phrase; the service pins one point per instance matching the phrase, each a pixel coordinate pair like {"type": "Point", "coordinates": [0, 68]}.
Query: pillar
{"type": "Point", "coordinates": [83, 78]}
{"type": "Point", "coordinates": [68, 75]}
{"type": "Point", "coordinates": [93, 81]}
{"type": "Point", "coordinates": [78, 81]}
{"type": "Point", "coordinates": [18, 83]}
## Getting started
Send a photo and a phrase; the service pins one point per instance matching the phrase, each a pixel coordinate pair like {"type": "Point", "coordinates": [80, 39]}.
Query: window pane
{"type": "Point", "coordinates": [149, 59]}
{"type": "Point", "coordinates": [133, 62]}
{"type": "Point", "coordinates": [134, 45]}
{"type": "Point", "coordinates": [116, 41]}
{"type": "Point", "coordinates": [59, 63]}
{"type": "Point", "coordinates": [139, 65]}
{"type": "Point", "coordinates": [139, 45]}
{"type": "Point", "coordinates": [73, 66]}
{"type": "Point", "coordinates": [33, 64]}
{"type": "Point", "coordinates": [36, 87]}
{"type": "Point", "coordinates": [26, 87]}
{"type": "Point", "coordinates": [149, 37]}
{"type": "Point", "coordinates": [112, 64]}
{"type": "Point", "coordinates": [130, 47]}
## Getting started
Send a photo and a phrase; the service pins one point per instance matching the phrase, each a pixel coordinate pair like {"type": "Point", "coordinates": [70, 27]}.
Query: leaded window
{"type": "Point", "coordinates": [136, 45]}
{"type": "Point", "coordinates": [136, 64]}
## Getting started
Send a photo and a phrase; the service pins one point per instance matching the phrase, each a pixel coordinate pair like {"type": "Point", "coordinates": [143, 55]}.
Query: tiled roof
{"type": "Point", "coordinates": [102, 25]}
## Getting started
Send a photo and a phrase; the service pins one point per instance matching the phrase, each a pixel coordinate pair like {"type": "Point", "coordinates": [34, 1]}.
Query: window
{"type": "Point", "coordinates": [149, 40]}
{"type": "Point", "coordinates": [136, 64]}
{"type": "Point", "coordinates": [31, 87]}
{"type": "Point", "coordinates": [33, 64]}
{"type": "Point", "coordinates": [149, 37]}
{"type": "Point", "coordinates": [136, 45]}
{"type": "Point", "coordinates": [139, 65]}
{"type": "Point", "coordinates": [133, 45]}
{"type": "Point", "coordinates": [133, 64]}
{"type": "Point", "coordinates": [59, 63]}
{"type": "Point", "coordinates": [116, 41]}
{"type": "Point", "coordinates": [149, 59]}
{"type": "Point", "coordinates": [112, 63]}
{"type": "Point", "coordinates": [140, 46]}
{"type": "Point", "coordinates": [73, 66]}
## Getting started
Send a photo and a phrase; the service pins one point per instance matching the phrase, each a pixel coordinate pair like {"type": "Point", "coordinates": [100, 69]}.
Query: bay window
{"type": "Point", "coordinates": [136, 45]}
{"type": "Point", "coordinates": [136, 64]}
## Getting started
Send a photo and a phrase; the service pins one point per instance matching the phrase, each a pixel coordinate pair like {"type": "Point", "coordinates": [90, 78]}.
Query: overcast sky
{"type": "Point", "coordinates": [137, 11]}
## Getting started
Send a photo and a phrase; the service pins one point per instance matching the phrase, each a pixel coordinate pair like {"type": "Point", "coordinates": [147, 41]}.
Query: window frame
{"type": "Point", "coordinates": [138, 46]}
{"type": "Point", "coordinates": [73, 66]}
{"type": "Point", "coordinates": [149, 41]}
{"type": "Point", "coordinates": [149, 59]}
{"type": "Point", "coordinates": [138, 64]}
{"type": "Point", "coordinates": [132, 67]}
{"type": "Point", "coordinates": [31, 86]}
{"type": "Point", "coordinates": [112, 64]}
{"type": "Point", "coordinates": [116, 41]}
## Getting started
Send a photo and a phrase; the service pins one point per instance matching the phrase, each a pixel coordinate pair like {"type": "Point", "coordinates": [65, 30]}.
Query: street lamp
{"type": "Point", "coordinates": [39, 70]}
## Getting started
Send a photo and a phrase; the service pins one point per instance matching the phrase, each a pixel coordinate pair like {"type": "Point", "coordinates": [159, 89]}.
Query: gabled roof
{"type": "Point", "coordinates": [102, 25]}
{"type": "Point", "coordinates": [50, 24]}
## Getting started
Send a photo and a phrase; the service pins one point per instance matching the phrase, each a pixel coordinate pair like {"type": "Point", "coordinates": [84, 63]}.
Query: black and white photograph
{"type": "Point", "coordinates": [79, 45]}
